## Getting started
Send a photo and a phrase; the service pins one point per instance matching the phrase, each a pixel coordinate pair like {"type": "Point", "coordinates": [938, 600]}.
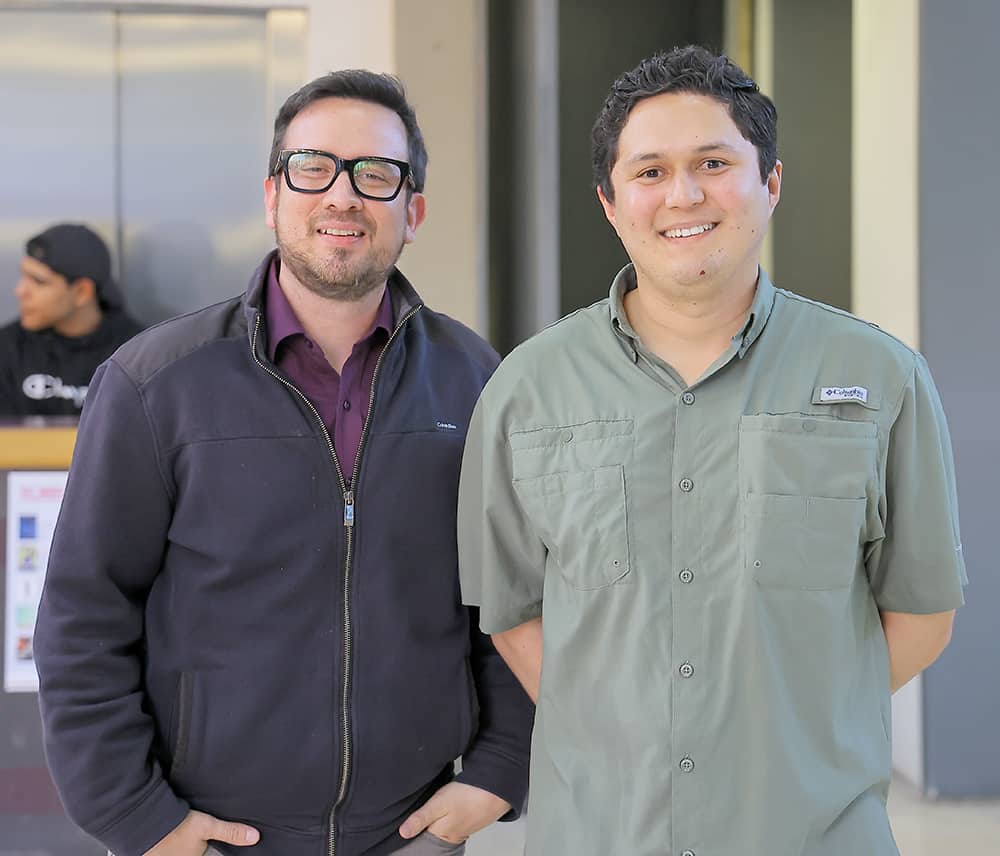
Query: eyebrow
{"type": "Point", "coordinates": [700, 150]}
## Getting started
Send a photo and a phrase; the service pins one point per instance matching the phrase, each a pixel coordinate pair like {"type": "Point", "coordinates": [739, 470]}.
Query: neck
{"type": "Point", "coordinates": [690, 327]}
{"type": "Point", "coordinates": [83, 322]}
{"type": "Point", "coordinates": [335, 325]}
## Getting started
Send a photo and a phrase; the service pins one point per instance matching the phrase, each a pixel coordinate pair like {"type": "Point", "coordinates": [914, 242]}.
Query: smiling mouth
{"type": "Point", "coordinates": [689, 232]}
{"type": "Point", "coordinates": [341, 233]}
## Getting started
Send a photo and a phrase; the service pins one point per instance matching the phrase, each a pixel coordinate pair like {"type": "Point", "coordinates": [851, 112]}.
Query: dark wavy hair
{"type": "Point", "coordinates": [692, 69]}
{"type": "Point", "coordinates": [384, 89]}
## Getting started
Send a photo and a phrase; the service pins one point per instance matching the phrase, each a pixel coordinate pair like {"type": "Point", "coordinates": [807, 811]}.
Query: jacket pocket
{"type": "Point", "coordinates": [470, 724]}
{"type": "Point", "coordinates": [181, 724]}
{"type": "Point", "coordinates": [582, 517]}
{"type": "Point", "coordinates": [247, 729]}
{"type": "Point", "coordinates": [802, 542]}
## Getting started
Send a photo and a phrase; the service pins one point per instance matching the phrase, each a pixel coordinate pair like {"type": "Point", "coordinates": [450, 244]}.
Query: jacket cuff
{"type": "Point", "coordinates": [159, 814]}
{"type": "Point", "coordinates": [499, 776]}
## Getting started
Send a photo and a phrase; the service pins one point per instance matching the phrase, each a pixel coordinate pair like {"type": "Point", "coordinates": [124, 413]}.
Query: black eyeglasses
{"type": "Point", "coordinates": [315, 171]}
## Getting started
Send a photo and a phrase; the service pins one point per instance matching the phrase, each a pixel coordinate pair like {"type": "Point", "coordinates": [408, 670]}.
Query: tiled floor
{"type": "Point", "coordinates": [922, 828]}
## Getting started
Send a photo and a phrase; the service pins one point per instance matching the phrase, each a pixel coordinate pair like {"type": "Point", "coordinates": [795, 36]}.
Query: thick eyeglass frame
{"type": "Point", "coordinates": [343, 165]}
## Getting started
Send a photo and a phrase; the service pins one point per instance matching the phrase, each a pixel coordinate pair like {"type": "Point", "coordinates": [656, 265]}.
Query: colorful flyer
{"type": "Point", "coordinates": [33, 500]}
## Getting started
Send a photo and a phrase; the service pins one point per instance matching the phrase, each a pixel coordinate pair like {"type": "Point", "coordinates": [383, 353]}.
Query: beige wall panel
{"type": "Point", "coordinates": [885, 285]}
{"type": "Point", "coordinates": [884, 275]}
{"type": "Point", "coordinates": [442, 61]}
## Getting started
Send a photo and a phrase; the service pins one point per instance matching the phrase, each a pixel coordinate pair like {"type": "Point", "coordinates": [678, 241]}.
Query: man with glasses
{"type": "Point", "coordinates": [251, 631]}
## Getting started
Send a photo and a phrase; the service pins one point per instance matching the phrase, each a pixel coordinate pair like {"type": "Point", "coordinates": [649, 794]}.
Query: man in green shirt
{"type": "Point", "coordinates": [735, 508]}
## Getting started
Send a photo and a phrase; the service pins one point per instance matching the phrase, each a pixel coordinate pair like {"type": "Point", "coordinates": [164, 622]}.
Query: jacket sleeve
{"type": "Point", "coordinates": [497, 758]}
{"type": "Point", "coordinates": [105, 556]}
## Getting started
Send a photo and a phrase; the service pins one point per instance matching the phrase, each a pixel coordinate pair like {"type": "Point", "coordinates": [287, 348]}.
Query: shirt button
{"type": "Point", "coordinates": [686, 576]}
{"type": "Point", "coordinates": [686, 485]}
{"type": "Point", "coordinates": [687, 765]}
{"type": "Point", "coordinates": [686, 670]}
{"type": "Point", "coordinates": [687, 853]}
{"type": "Point", "coordinates": [347, 404]}
{"type": "Point", "coordinates": [688, 398]}
{"type": "Point", "coordinates": [567, 436]}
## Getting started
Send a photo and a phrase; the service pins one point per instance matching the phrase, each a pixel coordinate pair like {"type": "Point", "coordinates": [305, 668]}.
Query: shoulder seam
{"type": "Point", "coordinates": [149, 427]}
{"type": "Point", "coordinates": [567, 317]}
{"type": "Point", "coordinates": [842, 313]}
{"type": "Point", "coordinates": [180, 355]}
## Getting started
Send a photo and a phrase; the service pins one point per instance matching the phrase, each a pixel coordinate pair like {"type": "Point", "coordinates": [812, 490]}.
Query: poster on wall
{"type": "Point", "coordinates": [33, 500]}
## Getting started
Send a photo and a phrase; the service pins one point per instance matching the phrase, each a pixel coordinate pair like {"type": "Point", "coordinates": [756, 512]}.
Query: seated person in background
{"type": "Point", "coordinates": [71, 321]}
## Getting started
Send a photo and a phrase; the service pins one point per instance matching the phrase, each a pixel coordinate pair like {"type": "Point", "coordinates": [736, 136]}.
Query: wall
{"type": "Point", "coordinates": [884, 180]}
{"type": "Point", "coordinates": [959, 125]}
{"type": "Point", "coordinates": [597, 42]}
{"type": "Point", "coordinates": [442, 61]}
{"type": "Point", "coordinates": [811, 86]}
{"type": "Point", "coordinates": [342, 34]}
{"type": "Point", "coordinates": [884, 283]}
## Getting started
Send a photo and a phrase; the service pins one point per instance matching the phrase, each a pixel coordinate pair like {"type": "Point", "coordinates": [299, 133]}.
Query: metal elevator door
{"type": "Point", "coordinates": [152, 127]}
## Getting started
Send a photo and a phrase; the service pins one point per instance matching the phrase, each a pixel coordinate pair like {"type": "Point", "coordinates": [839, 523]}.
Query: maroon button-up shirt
{"type": "Point", "coordinates": [341, 399]}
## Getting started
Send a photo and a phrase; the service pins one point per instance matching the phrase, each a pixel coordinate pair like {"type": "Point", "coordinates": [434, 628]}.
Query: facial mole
{"type": "Point", "coordinates": [701, 273]}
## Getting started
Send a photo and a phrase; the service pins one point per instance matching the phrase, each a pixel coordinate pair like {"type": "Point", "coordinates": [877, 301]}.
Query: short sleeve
{"type": "Point", "coordinates": [918, 567]}
{"type": "Point", "coordinates": [501, 558]}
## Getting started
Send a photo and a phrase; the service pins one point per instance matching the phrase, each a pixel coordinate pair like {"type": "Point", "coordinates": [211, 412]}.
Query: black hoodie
{"type": "Point", "coordinates": [45, 374]}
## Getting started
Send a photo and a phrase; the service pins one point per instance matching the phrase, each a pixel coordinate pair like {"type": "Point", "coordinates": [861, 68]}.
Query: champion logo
{"type": "Point", "coordinates": [41, 386]}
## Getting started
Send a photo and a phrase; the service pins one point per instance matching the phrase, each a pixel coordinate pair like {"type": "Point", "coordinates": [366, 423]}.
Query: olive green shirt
{"type": "Point", "coordinates": [711, 561]}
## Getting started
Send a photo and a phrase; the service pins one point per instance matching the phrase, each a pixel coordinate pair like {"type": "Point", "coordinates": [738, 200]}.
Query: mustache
{"type": "Point", "coordinates": [326, 222]}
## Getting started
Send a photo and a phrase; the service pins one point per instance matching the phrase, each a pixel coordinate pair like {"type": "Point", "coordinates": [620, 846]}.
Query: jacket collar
{"type": "Point", "coordinates": [403, 295]}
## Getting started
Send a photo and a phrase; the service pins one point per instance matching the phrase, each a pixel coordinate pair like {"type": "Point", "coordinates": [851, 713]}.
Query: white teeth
{"type": "Point", "coordinates": [341, 233]}
{"type": "Point", "coordinates": [687, 233]}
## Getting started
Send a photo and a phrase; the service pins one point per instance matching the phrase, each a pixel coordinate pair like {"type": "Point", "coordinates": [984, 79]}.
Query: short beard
{"type": "Point", "coordinates": [332, 277]}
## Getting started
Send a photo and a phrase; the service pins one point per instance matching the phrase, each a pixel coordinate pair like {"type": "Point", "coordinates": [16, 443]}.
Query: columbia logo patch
{"type": "Point", "coordinates": [832, 394]}
{"type": "Point", "coordinates": [447, 426]}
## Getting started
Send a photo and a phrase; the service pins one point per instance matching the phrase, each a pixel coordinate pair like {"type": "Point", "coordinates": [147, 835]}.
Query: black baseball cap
{"type": "Point", "coordinates": [74, 251]}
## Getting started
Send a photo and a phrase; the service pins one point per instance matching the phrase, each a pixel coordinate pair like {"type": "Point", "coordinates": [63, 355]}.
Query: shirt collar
{"type": "Point", "coordinates": [760, 311]}
{"type": "Point", "coordinates": [281, 321]}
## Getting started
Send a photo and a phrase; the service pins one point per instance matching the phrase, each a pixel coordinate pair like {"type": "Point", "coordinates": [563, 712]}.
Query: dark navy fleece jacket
{"type": "Point", "coordinates": [214, 635]}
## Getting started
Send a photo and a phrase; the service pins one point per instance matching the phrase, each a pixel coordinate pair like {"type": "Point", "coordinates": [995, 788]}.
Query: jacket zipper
{"type": "Point", "coordinates": [349, 501]}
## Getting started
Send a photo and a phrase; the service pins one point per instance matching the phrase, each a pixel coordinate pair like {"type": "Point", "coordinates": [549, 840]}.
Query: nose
{"type": "Point", "coordinates": [683, 190]}
{"type": "Point", "coordinates": [21, 288]}
{"type": "Point", "coordinates": [341, 194]}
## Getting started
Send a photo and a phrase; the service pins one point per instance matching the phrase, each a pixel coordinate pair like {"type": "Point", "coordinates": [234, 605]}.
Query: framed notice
{"type": "Point", "coordinates": [33, 500]}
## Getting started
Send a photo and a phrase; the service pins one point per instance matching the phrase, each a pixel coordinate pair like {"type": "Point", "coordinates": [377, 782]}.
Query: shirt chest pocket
{"type": "Point", "coordinates": [571, 482]}
{"type": "Point", "coordinates": [808, 489]}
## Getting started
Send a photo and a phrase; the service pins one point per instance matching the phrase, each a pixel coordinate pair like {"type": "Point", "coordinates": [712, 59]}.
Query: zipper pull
{"type": "Point", "coordinates": [349, 508]}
